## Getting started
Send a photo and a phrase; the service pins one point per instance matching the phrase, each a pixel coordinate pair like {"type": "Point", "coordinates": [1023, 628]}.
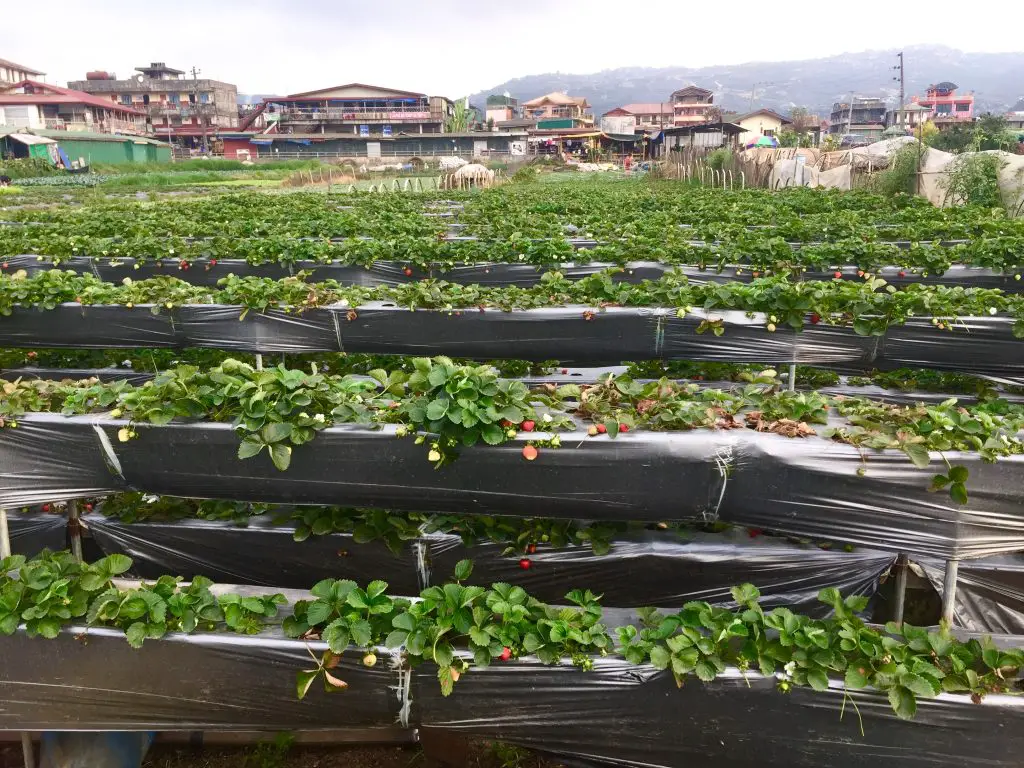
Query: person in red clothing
{"type": "Point", "coordinates": [627, 163]}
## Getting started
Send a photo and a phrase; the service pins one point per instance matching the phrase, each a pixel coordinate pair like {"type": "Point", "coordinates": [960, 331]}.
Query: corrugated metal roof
{"type": "Point", "coordinates": [54, 94]}
{"type": "Point", "coordinates": [28, 138]}
{"type": "Point", "coordinates": [20, 67]}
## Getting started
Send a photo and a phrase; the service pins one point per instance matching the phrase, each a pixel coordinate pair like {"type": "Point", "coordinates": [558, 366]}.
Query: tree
{"type": "Point", "coordinates": [803, 121]}
{"type": "Point", "coordinates": [955, 138]}
{"type": "Point", "coordinates": [458, 120]}
{"type": "Point", "coordinates": [995, 133]}
{"type": "Point", "coordinates": [713, 115]}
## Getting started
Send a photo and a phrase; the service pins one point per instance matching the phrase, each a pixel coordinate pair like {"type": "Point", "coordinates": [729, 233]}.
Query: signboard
{"type": "Point", "coordinates": [364, 130]}
{"type": "Point", "coordinates": [386, 130]}
{"type": "Point", "coordinates": [399, 116]}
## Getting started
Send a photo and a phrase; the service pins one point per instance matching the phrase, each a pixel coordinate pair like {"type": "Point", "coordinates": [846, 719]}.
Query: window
{"type": "Point", "coordinates": [126, 98]}
{"type": "Point", "coordinates": [172, 98]}
{"type": "Point", "coordinates": [963, 106]}
{"type": "Point", "coordinates": [943, 109]}
{"type": "Point", "coordinates": [768, 132]}
{"type": "Point", "coordinates": [204, 98]}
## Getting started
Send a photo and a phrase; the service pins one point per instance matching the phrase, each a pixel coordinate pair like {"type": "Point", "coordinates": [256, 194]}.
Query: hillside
{"type": "Point", "coordinates": [997, 80]}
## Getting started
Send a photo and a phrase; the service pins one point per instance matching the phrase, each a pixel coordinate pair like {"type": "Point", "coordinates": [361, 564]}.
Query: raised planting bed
{"type": "Point", "coordinates": [799, 486]}
{"type": "Point", "coordinates": [660, 568]}
{"type": "Point", "coordinates": [578, 334]}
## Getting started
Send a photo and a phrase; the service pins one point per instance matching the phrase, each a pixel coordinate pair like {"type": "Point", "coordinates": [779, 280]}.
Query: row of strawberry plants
{"type": "Point", "coordinates": [457, 627]}
{"type": "Point", "coordinates": [245, 215]}
{"type": "Point", "coordinates": [446, 406]}
{"type": "Point", "coordinates": [517, 536]}
{"type": "Point", "coordinates": [761, 251]}
{"type": "Point", "coordinates": [152, 361]}
{"type": "Point", "coordinates": [869, 307]}
{"type": "Point", "coordinates": [534, 211]}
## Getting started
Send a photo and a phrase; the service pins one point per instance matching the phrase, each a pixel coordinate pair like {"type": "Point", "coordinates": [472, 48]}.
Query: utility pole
{"type": "Point", "coordinates": [195, 103]}
{"type": "Point", "coordinates": [899, 109]}
{"type": "Point", "coordinates": [849, 119]}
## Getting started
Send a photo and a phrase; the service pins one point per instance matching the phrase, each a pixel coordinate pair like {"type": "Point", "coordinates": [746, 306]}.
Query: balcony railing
{"type": "Point", "coordinates": [344, 114]}
{"type": "Point", "coordinates": [103, 126]}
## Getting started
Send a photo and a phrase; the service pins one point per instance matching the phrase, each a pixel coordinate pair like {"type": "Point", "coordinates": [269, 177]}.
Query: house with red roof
{"type": "Point", "coordinates": [632, 117]}
{"type": "Point", "coordinates": [31, 104]}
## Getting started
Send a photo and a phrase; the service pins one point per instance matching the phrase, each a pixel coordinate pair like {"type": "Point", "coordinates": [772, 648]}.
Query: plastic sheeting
{"type": "Point", "coordinates": [93, 680]}
{"type": "Point", "coordinates": [32, 533]}
{"type": "Point", "coordinates": [574, 334]}
{"type": "Point", "coordinates": [644, 568]}
{"type": "Point", "coordinates": [393, 272]}
{"type": "Point", "coordinates": [624, 715]}
{"type": "Point", "coordinates": [618, 714]}
{"type": "Point", "coordinates": [989, 592]}
{"type": "Point", "coordinates": [803, 487]}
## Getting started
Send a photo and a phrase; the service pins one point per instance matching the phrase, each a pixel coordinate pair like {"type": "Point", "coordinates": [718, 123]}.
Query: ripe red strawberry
{"type": "Point", "coordinates": [753, 532]}
{"type": "Point", "coordinates": [407, 272]}
{"type": "Point", "coordinates": [213, 262]}
{"type": "Point", "coordinates": [525, 563]}
{"type": "Point", "coordinates": [623, 427]}
{"type": "Point", "coordinates": [527, 426]}
{"type": "Point", "coordinates": [902, 273]}
{"type": "Point", "coordinates": [838, 274]}
{"type": "Point", "coordinates": [506, 653]}
{"type": "Point", "coordinates": [602, 428]}
{"type": "Point", "coordinates": [565, 371]}
{"type": "Point", "coordinates": [532, 548]}
{"type": "Point", "coordinates": [506, 423]}
{"type": "Point", "coordinates": [815, 318]}
{"type": "Point", "coordinates": [46, 507]}
{"type": "Point", "coordinates": [88, 507]}
{"type": "Point", "coordinates": [4, 265]}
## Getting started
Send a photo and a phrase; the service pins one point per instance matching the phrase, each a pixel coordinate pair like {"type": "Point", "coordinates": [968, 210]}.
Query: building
{"type": "Point", "coordinates": [11, 73]}
{"type": "Point", "coordinates": [82, 148]}
{"type": "Point", "coordinates": [908, 118]}
{"type": "Point", "coordinates": [355, 109]}
{"type": "Point", "coordinates": [701, 136]}
{"type": "Point", "coordinates": [691, 105]}
{"type": "Point", "coordinates": [31, 104]}
{"type": "Point", "coordinates": [559, 110]}
{"type": "Point", "coordinates": [760, 122]}
{"type": "Point", "coordinates": [632, 117]}
{"type": "Point", "coordinates": [249, 146]}
{"type": "Point", "coordinates": [184, 110]}
{"type": "Point", "coordinates": [502, 108]}
{"type": "Point", "coordinates": [859, 117]}
{"type": "Point", "coordinates": [1015, 117]}
{"type": "Point", "coordinates": [944, 105]}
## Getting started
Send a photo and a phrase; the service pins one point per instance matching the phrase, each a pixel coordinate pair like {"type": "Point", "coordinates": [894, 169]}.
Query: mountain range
{"type": "Point", "coordinates": [997, 80]}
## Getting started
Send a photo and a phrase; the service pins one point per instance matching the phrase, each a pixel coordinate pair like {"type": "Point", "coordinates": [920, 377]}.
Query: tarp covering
{"type": "Point", "coordinates": [574, 334]}
{"type": "Point", "coordinates": [618, 714]}
{"type": "Point", "coordinates": [644, 568]}
{"type": "Point", "coordinates": [989, 592]}
{"type": "Point", "coordinates": [805, 487]}
{"type": "Point", "coordinates": [32, 533]}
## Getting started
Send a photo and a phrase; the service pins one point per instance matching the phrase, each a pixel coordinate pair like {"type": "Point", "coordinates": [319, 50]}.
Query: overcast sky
{"type": "Point", "coordinates": [455, 47]}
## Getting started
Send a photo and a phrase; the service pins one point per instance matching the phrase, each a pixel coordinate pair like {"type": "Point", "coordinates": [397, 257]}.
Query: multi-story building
{"type": "Point", "coordinates": [355, 108]}
{"type": "Point", "coordinates": [559, 110]}
{"type": "Point", "coordinates": [908, 117]}
{"type": "Point", "coordinates": [691, 105]}
{"type": "Point", "coordinates": [185, 110]}
{"type": "Point", "coordinates": [860, 117]}
{"type": "Point", "coordinates": [944, 105]}
{"type": "Point", "coordinates": [502, 108]}
{"type": "Point", "coordinates": [34, 105]}
{"type": "Point", "coordinates": [11, 73]}
{"type": "Point", "coordinates": [630, 117]}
